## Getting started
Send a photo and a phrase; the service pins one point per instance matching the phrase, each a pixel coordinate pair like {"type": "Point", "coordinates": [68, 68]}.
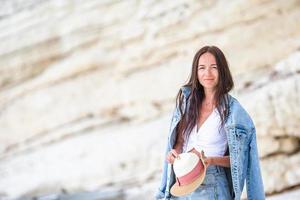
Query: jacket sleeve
{"type": "Point", "coordinates": [160, 194]}
{"type": "Point", "coordinates": [255, 189]}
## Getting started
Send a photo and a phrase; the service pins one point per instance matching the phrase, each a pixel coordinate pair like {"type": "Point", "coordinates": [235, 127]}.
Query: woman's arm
{"type": "Point", "coordinates": [223, 161]}
{"type": "Point", "coordinates": [173, 153]}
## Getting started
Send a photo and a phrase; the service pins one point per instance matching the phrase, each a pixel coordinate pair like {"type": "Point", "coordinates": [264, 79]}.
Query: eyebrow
{"type": "Point", "coordinates": [204, 65]}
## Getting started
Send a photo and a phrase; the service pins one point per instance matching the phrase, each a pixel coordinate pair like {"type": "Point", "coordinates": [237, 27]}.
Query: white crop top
{"type": "Point", "coordinates": [209, 138]}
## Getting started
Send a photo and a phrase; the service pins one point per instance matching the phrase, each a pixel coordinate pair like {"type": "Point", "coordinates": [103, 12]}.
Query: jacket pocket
{"type": "Point", "coordinates": [242, 139]}
{"type": "Point", "coordinates": [241, 134]}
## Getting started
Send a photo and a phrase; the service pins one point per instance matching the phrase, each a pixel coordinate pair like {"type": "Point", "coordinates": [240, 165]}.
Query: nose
{"type": "Point", "coordinates": [208, 71]}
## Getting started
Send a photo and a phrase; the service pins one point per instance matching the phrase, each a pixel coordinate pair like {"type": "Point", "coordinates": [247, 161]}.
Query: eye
{"type": "Point", "coordinates": [200, 68]}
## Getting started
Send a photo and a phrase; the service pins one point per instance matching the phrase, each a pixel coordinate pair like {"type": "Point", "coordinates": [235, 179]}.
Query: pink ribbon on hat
{"type": "Point", "coordinates": [191, 176]}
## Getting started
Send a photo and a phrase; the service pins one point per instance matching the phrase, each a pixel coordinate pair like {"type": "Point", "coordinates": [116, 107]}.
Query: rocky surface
{"type": "Point", "coordinates": [87, 88]}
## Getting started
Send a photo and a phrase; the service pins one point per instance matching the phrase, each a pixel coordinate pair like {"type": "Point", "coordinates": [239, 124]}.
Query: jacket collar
{"type": "Point", "coordinates": [186, 90]}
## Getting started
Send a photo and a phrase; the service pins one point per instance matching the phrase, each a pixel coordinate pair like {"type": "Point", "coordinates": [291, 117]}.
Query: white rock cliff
{"type": "Point", "coordinates": [87, 88]}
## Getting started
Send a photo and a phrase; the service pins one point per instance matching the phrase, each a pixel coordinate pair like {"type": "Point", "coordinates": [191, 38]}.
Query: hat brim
{"type": "Point", "coordinates": [183, 190]}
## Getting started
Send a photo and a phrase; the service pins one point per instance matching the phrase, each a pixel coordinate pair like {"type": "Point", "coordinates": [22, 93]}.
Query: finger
{"type": "Point", "coordinates": [171, 155]}
{"type": "Point", "coordinates": [172, 160]}
{"type": "Point", "coordinates": [174, 153]}
{"type": "Point", "coordinates": [168, 159]}
{"type": "Point", "coordinates": [202, 154]}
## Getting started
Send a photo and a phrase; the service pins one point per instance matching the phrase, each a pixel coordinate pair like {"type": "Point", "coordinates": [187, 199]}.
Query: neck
{"type": "Point", "coordinates": [209, 96]}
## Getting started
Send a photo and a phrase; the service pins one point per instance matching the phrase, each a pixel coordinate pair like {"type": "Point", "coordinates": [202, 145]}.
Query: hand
{"type": "Point", "coordinates": [202, 156]}
{"type": "Point", "coordinates": [205, 159]}
{"type": "Point", "coordinates": [171, 156]}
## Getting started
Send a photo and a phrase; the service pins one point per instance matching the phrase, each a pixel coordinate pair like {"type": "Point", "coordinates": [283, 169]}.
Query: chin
{"type": "Point", "coordinates": [209, 87]}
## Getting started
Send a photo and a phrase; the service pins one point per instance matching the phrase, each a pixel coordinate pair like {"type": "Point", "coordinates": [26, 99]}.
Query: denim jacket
{"type": "Point", "coordinates": [244, 160]}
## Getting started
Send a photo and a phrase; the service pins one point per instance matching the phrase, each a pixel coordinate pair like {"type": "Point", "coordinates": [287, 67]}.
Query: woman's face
{"type": "Point", "coordinates": [208, 74]}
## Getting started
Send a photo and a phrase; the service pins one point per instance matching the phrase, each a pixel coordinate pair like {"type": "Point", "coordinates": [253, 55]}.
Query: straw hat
{"type": "Point", "coordinates": [190, 172]}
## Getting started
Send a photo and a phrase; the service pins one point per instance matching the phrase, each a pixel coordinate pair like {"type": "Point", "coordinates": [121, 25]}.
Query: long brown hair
{"type": "Point", "coordinates": [196, 96]}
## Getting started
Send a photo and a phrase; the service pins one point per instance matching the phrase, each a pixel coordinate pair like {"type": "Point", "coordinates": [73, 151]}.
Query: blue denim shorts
{"type": "Point", "coordinates": [215, 186]}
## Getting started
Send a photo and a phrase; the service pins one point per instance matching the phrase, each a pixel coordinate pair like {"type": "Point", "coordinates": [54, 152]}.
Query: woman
{"type": "Point", "coordinates": [212, 124]}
